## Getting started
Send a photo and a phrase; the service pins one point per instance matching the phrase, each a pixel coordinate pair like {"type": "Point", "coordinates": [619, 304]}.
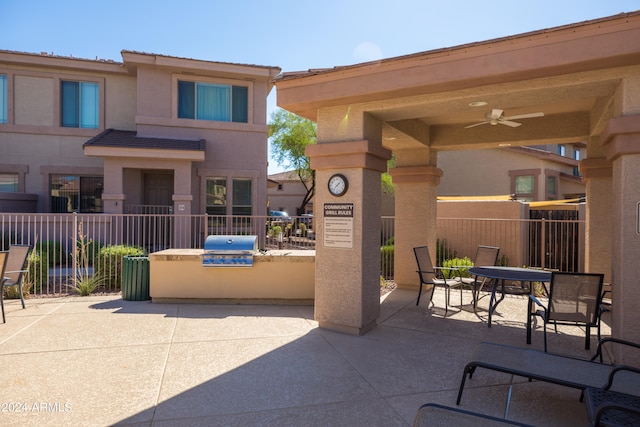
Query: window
{"type": "Point", "coordinates": [552, 190]}
{"type": "Point", "coordinates": [562, 150]}
{"type": "Point", "coordinates": [280, 187]}
{"type": "Point", "coordinates": [79, 105]}
{"type": "Point", "coordinates": [216, 196]}
{"type": "Point", "coordinates": [208, 101]}
{"type": "Point", "coordinates": [525, 187]}
{"type": "Point", "coordinates": [9, 182]}
{"type": "Point", "coordinates": [241, 196]}
{"type": "Point", "coordinates": [71, 193]}
{"type": "Point", "coordinates": [3, 98]}
{"type": "Point", "coordinates": [576, 156]}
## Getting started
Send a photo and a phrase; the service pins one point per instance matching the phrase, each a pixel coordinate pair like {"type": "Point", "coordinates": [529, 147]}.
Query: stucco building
{"type": "Point", "coordinates": [152, 132]}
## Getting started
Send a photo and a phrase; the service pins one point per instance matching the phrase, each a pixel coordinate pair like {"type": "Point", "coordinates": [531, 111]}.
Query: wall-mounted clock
{"type": "Point", "coordinates": [338, 184]}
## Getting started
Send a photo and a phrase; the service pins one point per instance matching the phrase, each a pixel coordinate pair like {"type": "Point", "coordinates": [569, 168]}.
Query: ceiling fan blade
{"type": "Point", "coordinates": [524, 116]}
{"type": "Point", "coordinates": [509, 123]}
{"type": "Point", "coordinates": [475, 124]}
{"type": "Point", "coordinates": [496, 113]}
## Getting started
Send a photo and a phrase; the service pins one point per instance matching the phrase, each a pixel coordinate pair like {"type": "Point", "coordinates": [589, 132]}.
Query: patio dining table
{"type": "Point", "coordinates": [502, 274]}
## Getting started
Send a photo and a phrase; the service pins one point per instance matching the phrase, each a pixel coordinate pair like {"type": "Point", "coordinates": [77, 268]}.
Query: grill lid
{"type": "Point", "coordinates": [230, 244]}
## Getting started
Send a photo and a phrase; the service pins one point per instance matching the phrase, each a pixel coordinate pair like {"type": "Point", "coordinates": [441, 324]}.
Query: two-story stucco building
{"type": "Point", "coordinates": [181, 135]}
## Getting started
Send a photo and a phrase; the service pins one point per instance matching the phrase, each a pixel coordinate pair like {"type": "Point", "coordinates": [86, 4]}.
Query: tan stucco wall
{"type": "Point", "coordinates": [278, 276]}
{"type": "Point", "coordinates": [512, 240]}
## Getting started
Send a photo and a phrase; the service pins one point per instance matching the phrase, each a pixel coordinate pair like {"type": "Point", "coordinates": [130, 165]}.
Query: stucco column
{"type": "Point", "coordinates": [113, 196]}
{"type": "Point", "coordinates": [597, 174]}
{"type": "Point", "coordinates": [621, 138]}
{"type": "Point", "coordinates": [347, 277]}
{"type": "Point", "coordinates": [416, 190]}
{"type": "Point", "coordinates": [182, 199]}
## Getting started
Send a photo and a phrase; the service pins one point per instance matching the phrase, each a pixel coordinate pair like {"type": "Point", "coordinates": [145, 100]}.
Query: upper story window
{"type": "Point", "coordinates": [209, 101]}
{"type": "Point", "coordinates": [79, 104]}
{"type": "Point", "coordinates": [562, 150]}
{"type": "Point", "coordinates": [3, 98]}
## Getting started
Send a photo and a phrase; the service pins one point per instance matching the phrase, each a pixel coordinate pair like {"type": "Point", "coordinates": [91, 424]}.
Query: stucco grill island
{"type": "Point", "coordinates": [230, 270]}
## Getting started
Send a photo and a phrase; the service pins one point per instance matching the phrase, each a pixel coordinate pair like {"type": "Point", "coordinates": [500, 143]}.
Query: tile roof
{"type": "Point", "coordinates": [130, 139]}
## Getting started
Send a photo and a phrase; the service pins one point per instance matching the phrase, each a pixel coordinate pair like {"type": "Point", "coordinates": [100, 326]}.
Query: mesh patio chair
{"type": "Point", "coordinates": [3, 264]}
{"type": "Point", "coordinates": [14, 272]}
{"type": "Point", "coordinates": [574, 299]}
{"type": "Point", "coordinates": [486, 256]}
{"type": "Point", "coordinates": [430, 275]}
{"type": "Point", "coordinates": [605, 305]}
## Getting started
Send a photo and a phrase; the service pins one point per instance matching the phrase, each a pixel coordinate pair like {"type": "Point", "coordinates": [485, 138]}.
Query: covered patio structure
{"type": "Point", "coordinates": [583, 77]}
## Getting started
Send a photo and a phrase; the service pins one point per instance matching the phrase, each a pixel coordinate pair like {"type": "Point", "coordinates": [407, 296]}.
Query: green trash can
{"type": "Point", "coordinates": [135, 278]}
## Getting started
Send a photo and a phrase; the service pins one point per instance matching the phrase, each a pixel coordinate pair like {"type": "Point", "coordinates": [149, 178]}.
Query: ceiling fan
{"type": "Point", "coordinates": [497, 116]}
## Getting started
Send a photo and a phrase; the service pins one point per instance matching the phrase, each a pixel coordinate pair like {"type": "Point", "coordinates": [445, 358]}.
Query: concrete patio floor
{"type": "Point", "coordinates": [100, 360]}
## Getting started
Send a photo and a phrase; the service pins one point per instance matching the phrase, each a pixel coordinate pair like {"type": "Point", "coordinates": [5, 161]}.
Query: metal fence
{"type": "Point", "coordinates": [65, 243]}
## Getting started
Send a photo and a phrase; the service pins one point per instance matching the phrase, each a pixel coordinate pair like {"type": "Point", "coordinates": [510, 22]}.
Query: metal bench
{"type": "Point", "coordinates": [541, 366]}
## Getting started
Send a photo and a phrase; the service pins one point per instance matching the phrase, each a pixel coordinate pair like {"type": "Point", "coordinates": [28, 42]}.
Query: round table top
{"type": "Point", "coordinates": [512, 273]}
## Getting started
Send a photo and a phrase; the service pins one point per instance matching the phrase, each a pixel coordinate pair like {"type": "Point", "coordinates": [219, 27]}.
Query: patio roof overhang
{"type": "Point", "coordinates": [569, 73]}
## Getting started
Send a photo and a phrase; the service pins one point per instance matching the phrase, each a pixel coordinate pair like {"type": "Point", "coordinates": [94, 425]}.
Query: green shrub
{"type": "Point", "coordinates": [52, 251]}
{"type": "Point", "coordinates": [303, 229]}
{"type": "Point", "coordinates": [503, 261]}
{"type": "Point", "coordinates": [109, 263]}
{"type": "Point", "coordinates": [38, 267]}
{"type": "Point", "coordinates": [443, 252]}
{"type": "Point", "coordinates": [457, 262]}
{"type": "Point", "coordinates": [275, 231]}
{"type": "Point", "coordinates": [386, 260]}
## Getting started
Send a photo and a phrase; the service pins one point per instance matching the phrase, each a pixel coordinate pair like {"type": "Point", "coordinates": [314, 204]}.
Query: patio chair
{"type": "Point", "coordinates": [611, 408]}
{"type": "Point", "coordinates": [542, 366]}
{"type": "Point", "coordinates": [14, 272]}
{"type": "Point", "coordinates": [432, 414]}
{"type": "Point", "coordinates": [574, 299]}
{"type": "Point", "coordinates": [3, 263]}
{"type": "Point", "coordinates": [429, 276]}
{"type": "Point", "coordinates": [605, 305]}
{"type": "Point", "coordinates": [486, 256]}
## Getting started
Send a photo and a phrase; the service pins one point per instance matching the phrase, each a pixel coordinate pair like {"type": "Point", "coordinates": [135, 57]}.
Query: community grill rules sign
{"type": "Point", "coordinates": [338, 225]}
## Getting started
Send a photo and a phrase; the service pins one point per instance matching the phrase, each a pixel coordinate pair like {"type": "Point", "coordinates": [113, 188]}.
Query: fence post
{"type": "Point", "coordinates": [74, 247]}
{"type": "Point", "coordinates": [543, 244]}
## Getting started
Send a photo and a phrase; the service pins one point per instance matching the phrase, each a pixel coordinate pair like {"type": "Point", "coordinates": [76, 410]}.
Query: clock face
{"type": "Point", "coordinates": [338, 185]}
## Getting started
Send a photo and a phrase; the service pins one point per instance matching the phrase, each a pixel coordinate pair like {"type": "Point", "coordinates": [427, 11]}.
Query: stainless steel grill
{"type": "Point", "coordinates": [229, 251]}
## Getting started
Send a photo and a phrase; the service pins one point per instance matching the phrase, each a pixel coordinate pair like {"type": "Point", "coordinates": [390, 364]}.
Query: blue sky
{"type": "Point", "coordinates": [293, 35]}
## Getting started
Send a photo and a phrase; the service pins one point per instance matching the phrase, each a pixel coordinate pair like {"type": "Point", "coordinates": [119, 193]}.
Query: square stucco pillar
{"type": "Point", "coordinates": [622, 141]}
{"type": "Point", "coordinates": [597, 172]}
{"type": "Point", "coordinates": [113, 196]}
{"type": "Point", "coordinates": [416, 190]}
{"type": "Point", "coordinates": [347, 278]}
